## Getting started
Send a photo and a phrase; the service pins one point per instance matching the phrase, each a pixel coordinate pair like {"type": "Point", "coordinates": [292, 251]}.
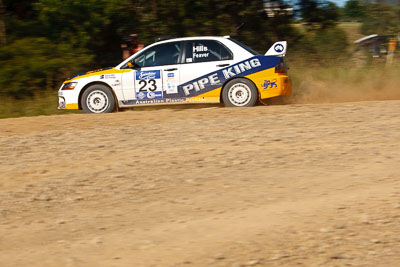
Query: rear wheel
{"type": "Point", "coordinates": [240, 93]}
{"type": "Point", "coordinates": [98, 98]}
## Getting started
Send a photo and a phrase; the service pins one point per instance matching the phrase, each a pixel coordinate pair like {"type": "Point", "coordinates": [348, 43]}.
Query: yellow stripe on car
{"type": "Point", "coordinates": [72, 106]}
{"type": "Point", "coordinates": [94, 73]}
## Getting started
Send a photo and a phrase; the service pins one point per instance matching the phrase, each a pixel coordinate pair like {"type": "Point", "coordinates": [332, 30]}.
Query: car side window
{"type": "Point", "coordinates": [162, 54]}
{"type": "Point", "coordinates": [205, 51]}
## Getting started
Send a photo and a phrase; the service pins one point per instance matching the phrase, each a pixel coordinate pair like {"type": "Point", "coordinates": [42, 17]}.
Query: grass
{"type": "Point", "coordinates": [43, 104]}
{"type": "Point", "coordinates": [352, 30]}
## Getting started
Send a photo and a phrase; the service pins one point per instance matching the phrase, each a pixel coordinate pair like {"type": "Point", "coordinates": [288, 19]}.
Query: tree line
{"type": "Point", "coordinates": [44, 41]}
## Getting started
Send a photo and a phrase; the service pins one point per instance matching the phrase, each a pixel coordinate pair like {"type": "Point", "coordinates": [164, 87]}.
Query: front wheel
{"type": "Point", "coordinates": [98, 99]}
{"type": "Point", "coordinates": [240, 93]}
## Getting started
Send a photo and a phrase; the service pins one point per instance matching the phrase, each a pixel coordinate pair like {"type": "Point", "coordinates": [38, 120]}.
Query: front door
{"type": "Point", "coordinates": [148, 84]}
{"type": "Point", "coordinates": [156, 74]}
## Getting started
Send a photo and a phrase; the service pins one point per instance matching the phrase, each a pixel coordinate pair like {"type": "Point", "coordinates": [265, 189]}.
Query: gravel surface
{"type": "Point", "coordinates": [280, 185]}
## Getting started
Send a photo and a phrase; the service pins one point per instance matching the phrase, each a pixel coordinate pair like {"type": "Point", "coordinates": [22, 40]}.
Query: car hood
{"type": "Point", "coordinates": [89, 73]}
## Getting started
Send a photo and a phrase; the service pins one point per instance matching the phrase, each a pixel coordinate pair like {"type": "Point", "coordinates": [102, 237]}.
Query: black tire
{"type": "Point", "coordinates": [98, 98]}
{"type": "Point", "coordinates": [240, 93]}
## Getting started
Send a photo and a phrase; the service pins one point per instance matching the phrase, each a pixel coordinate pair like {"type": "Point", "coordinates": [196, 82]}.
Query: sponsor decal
{"type": "Point", "coordinates": [197, 100]}
{"type": "Point", "coordinates": [149, 95]}
{"type": "Point", "coordinates": [166, 101]}
{"type": "Point", "coordinates": [170, 84]}
{"type": "Point", "coordinates": [216, 79]}
{"type": "Point", "coordinates": [149, 83]}
{"type": "Point", "coordinates": [270, 84]}
{"type": "Point", "coordinates": [107, 76]}
{"type": "Point", "coordinates": [155, 101]}
{"type": "Point", "coordinates": [200, 85]}
{"type": "Point", "coordinates": [148, 75]}
{"type": "Point", "coordinates": [200, 51]}
{"type": "Point", "coordinates": [171, 88]}
{"type": "Point", "coordinates": [241, 67]}
{"type": "Point", "coordinates": [279, 48]}
{"type": "Point", "coordinates": [85, 73]}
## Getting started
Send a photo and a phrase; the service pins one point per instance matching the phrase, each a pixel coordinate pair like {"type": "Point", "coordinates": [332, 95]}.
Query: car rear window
{"type": "Point", "coordinates": [205, 51]}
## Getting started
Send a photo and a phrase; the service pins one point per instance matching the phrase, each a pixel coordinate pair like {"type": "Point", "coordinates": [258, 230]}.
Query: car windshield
{"type": "Point", "coordinates": [248, 49]}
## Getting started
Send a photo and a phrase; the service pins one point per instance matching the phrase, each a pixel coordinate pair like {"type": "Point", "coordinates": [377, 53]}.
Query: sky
{"type": "Point", "coordinates": [340, 3]}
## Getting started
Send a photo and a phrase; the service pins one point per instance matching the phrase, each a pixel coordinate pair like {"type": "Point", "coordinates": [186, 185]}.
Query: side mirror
{"type": "Point", "coordinates": [131, 65]}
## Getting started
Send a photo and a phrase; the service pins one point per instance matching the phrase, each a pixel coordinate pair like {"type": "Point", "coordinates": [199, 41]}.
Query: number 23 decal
{"type": "Point", "coordinates": [144, 83]}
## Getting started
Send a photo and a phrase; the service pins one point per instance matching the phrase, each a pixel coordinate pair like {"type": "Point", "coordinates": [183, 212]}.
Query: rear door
{"type": "Point", "coordinates": [156, 73]}
{"type": "Point", "coordinates": [202, 57]}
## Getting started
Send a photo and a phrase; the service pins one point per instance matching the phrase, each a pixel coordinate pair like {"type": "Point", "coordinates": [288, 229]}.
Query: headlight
{"type": "Point", "coordinates": [69, 86]}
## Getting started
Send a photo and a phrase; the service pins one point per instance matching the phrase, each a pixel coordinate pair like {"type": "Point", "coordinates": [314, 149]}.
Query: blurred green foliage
{"type": "Point", "coordinates": [381, 19]}
{"type": "Point", "coordinates": [36, 64]}
{"type": "Point", "coordinates": [322, 46]}
{"type": "Point", "coordinates": [322, 40]}
{"type": "Point", "coordinates": [213, 17]}
{"type": "Point", "coordinates": [354, 10]}
{"type": "Point", "coordinates": [96, 25]}
{"type": "Point", "coordinates": [321, 14]}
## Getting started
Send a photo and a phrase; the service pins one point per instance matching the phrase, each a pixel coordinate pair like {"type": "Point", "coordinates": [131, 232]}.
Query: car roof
{"type": "Point", "coordinates": [192, 38]}
{"type": "Point", "coordinates": [223, 39]}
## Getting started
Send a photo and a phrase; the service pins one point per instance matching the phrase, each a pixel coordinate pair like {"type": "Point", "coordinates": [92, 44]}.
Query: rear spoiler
{"type": "Point", "coordinates": [278, 49]}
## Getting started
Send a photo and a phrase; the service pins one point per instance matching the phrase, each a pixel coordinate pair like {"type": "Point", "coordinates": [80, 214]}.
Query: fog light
{"type": "Point", "coordinates": [61, 103]}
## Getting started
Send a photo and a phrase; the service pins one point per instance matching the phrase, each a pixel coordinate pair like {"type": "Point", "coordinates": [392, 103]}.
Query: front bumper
{"type": "Point", "coordinates": [68, 99]}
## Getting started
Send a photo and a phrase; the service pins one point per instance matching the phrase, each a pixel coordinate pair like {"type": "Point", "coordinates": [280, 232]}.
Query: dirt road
{"type": "Point", "coordinates": [283, 185]}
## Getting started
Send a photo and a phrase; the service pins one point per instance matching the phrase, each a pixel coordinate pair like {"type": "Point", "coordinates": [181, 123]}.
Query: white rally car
{"type": "Point", "coordinates": [182, 70]}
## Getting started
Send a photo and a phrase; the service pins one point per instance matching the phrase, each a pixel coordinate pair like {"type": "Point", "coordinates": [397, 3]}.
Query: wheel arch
{"type": "Point", "coordinates": [93, 83]}
{"type": "Point", "coordinates": [221, 100]}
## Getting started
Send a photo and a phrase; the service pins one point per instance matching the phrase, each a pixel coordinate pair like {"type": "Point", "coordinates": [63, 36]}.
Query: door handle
{"type": "Point", "coordinates": [171, 69]}
{"type": "Point", "coordinates": [223, 65]}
